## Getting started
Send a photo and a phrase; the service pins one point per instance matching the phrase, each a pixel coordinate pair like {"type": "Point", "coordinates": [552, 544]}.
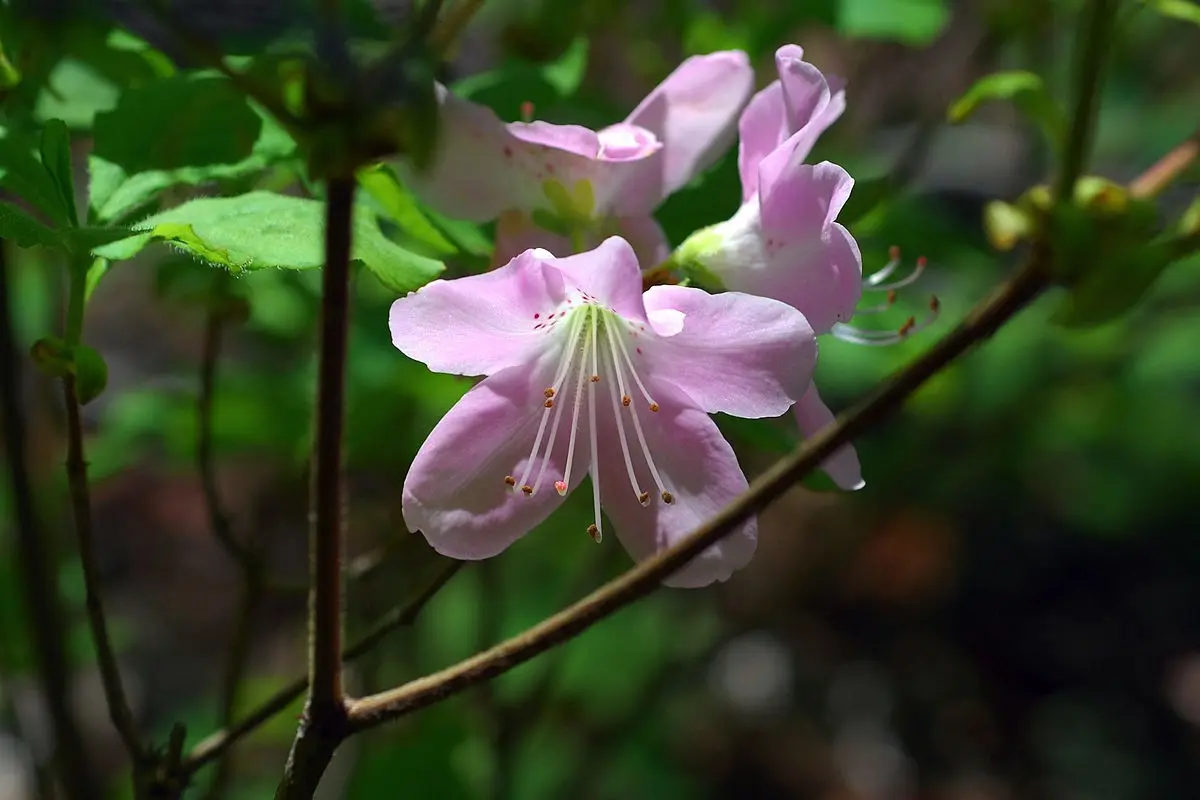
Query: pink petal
{"type": "Point", "coordinates": [813, 263]}
{"type": "Point", "coordinates": [694, 113]}
{"type": "Point", "coordinates": [455, 492]}
{"type": "Point", "coordinates": [567, 138]}
{"type": "Point", "coordinates": [610, 274]}
{"type": "Point", "coordinates": [762, 127]}
{"type": "Point", "coordinates": [477, 171]}
{"type": "Point", "coordinates": [812, 415]}
{"type": "Point", "coordinates": [483, 166]}
{"type": "Point", "coordinates": [479, 324]}
{"type": "Point", "coordinates": [803, 103]}
{"type": "Point", "coordinates": [700, 470]}
{"type": "Point", "coordinates": [736, 353]}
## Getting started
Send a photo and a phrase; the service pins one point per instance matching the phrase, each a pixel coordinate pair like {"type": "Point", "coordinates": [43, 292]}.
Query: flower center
{"type": "Point", "coordinates": [595, 353]}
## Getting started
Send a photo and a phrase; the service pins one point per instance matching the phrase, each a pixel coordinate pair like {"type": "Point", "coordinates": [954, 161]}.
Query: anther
{"type": "Point", "coordinates": [510, 480]}
{"type": "Point", "coordinates": [668, 498]}
{"type": "Point", "coordinates": [891, 300]}
{"type": "Point", "coordinates": [907, 327]}
{"type": "Point", "coordinates": [935, 305]}
{"type": "Point", "coordinates": [654, 406]}
{"type": "Point", "coordinates": [594, 532]}
{"type": "Point", "coordinates": [528, 490]}
{"type": "Point", "coordinates": [560, 487]}
{"type": "Point", "coordinates": [626, 400]}
{"type": "Point", "coordinates": [527, 111]}
{"type": "Point", "coordinates": [644, 498]}
{"type": "Point", "coordinates": [549, 392]}
{"type": "Point", "coordinates": [595, 379]}
{"type": "Point", "coordinates": [549, 403]}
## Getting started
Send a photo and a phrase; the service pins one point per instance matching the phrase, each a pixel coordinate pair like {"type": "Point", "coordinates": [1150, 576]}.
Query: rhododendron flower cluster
{"type": "Point", "coordinates": [587, 374]}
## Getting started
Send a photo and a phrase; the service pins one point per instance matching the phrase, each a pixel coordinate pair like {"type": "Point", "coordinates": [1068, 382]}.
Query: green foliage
{"type": "Point", "coordinates": [1183, 10]}
{"type": "Point", "coordinates": [544, 86]}
{"type": "Point", "coordinates": [1026, 91]}
{"type": "Point", "coordinates": [261, 230]}
{"type": "Point", "coordinates": [913, 22]}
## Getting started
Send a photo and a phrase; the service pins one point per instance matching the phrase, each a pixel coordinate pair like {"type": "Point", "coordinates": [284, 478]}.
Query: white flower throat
{"type": "Point", "coordinates": [594, 353]}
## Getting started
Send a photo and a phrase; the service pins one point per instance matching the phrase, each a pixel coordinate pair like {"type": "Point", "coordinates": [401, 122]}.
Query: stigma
{"type": "Point", "coordinates": [879, 282]}
{"type": "Point", "coordinates": [596, 365]}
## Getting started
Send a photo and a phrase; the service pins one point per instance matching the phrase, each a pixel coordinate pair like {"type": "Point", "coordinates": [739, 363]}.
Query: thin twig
{"type": "Point", "coordinates": [451, 24]}
{"type": "Point", "coordinates": [324, 723]}
{"type": "Point", "coordinates": [211, 748]}
{"type": "Point", "coordinates": [36, 574]}
{"type": "Point", "coordinates": [218, 519]}
{"type": "Point", "coordinates": [1164, 171]}
{"type": "Point", "coordinates": [81, 507]}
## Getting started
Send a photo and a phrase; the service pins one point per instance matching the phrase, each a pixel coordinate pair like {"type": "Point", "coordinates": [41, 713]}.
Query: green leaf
{"type": "Point", "coordinates": [1025, 90]}
{"type": "Point", "coordinates": [913, 22]}
{"type": "Point", "coordinates": [182, 121]}
{"type": "Point", "coordinates": [400, 206]}
{"type": "Point", "coordinates": [516, 82]}
{"type": "Point", "coordinates": [867, 196]}
{"type": "Point", "coordinates": [56, 158]}
{"type": "Point", "coordinates": [1186, 10]}
{"type": "Point", "coordinates": [91, 373]}
{"type": "Point", "coordinates": [113, 192]}
{"type": "Point", "coordinates": [566, 73]}
{"type": "Point", "coordinates": [23, 229]}
{"type": "Point", "coordinates": [75, 92]}
{"type": "Point", "coordinates": [260, 230]}
{"type": "Point", "coordinates": [22, 173]}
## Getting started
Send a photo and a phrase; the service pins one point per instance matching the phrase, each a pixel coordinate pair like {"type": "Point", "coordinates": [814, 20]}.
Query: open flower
{"type": "Point", "coordinates": [784, 241]}
{"type": "Point", "coordinates": [586, 375]}
{"type": "Point", "coordinates": [565, 187]}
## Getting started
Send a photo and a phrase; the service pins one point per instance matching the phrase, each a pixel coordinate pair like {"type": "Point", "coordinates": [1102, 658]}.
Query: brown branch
{"type": "Point", "coordinates": [211, 748]}
{"type": "Point", "coordinates": [1167, 168]}
{"type": "Point", "coordinates": [36, 576]}
{"type": "Point", "coordinates": [324, 723]}
{"type": "Point", "coordinates": [81, 507]}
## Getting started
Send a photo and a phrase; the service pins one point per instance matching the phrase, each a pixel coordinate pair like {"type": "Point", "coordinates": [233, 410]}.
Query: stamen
{"type": "Point", "coordinates": [559, 377]}
{"type": "Point", "coordinates": [873, 280]}
{"type": "Point", "coordinates": [619, 385]}
{"type": "Point", "coordinates": [510, 480]}
{"type": "Point", "coordinates": [876, 283]}
{"type": "Point", "coordinates": [527, 111]}
{"type": "Point", "coordinates": [879, 338]}
{"type": "Point", "coordinates": [588, 342]}
{"type": "Point", "coordinates": [594, 529]}
{"type": "Point", "coordinates": [636, 378]}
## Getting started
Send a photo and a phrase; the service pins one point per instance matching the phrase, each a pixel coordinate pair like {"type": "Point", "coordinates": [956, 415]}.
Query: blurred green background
{"type": "Point", "coordinates": [1009, 609]}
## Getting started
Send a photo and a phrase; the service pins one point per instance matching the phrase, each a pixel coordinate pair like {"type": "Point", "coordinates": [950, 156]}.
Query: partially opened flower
{"type": "Point", "coordinates": [588, 375]}
{"type": "Point", "coordinates": [565, 187]}
{"type": "Point", "coordinates": [784, 241]}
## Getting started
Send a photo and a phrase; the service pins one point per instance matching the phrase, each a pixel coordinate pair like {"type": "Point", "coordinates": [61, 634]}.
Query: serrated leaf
{"type": "Point", "coordinates": [262, 230]}
{"type": "Point", "coordinates": [22, 173]}
{"type": "Point", "coordinates": [1025, 90]}
{"type": "Point", "coordinates": [113, 192]}
{"type": "Point", "coordinates": [182, 121]}
{"type": "Point", "coordinates": [56, 159]}
{"type": "Point", "coordinates": [913, 22]}
{"type": "Point", "coordinates": [400, 206]}
{"type": "Point", "coordinates": [23, 229]}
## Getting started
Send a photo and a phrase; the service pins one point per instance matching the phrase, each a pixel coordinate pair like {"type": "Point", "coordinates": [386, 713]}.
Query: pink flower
{"type": "Point", "coordinates": [588, 375]}
{"type": "Point", "coordinates": [784, 241]}
{"type": "Point", "coordinates": [565, 187]}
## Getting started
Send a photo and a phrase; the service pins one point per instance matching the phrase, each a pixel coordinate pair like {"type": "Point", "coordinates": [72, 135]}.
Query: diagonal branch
{"type": "Point", "coordinates": [211, 748]}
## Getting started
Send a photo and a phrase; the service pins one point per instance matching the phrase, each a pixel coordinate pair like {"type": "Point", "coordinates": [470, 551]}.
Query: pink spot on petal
{"type": "Point", "coordinates": [537, 316]}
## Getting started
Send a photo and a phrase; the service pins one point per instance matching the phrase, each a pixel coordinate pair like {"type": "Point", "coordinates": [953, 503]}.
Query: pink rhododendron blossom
{"type": "Point", "coordinates": [784, 241]}
{"type": "Point", "coordinates": [588, 375]}
{"type": "Point", "coordinates": [565, 187]}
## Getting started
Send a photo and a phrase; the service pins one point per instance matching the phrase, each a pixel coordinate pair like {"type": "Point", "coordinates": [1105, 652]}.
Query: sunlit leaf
{"type": "Point", "coordinates": [1025, 90]}
{"type": "Point", "coordinates": [913, 22]}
